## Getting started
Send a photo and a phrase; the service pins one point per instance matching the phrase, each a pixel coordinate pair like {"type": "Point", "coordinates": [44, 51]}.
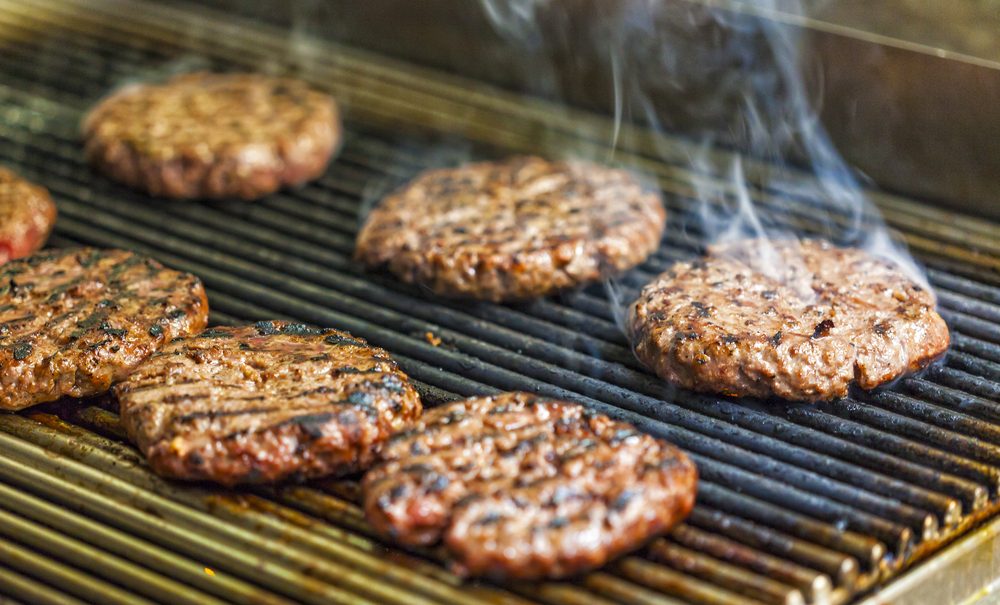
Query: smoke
{"type": "Point", "coordinates": [727, 78]}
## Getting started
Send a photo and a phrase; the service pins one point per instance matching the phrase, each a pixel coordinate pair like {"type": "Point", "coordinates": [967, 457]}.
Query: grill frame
{"type": "Point", "coordinates": [809, 456]}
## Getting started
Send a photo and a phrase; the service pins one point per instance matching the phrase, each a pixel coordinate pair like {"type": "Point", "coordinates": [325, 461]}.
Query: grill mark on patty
{"type": "Point", "coordinates": [518, 471]}
{"type": "Point", "coordinates": [255, 414]}
{"type": "Point", "coordinates": [514, 229]}
{"type": "Point", "coordinates": [79, 311]}
{"type": "Point", "coordinates": [243, 139]}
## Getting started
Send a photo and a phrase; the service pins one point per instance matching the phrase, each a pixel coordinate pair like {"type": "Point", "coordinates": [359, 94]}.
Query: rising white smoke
{"type": "Point", "coordinates": [739, 80]}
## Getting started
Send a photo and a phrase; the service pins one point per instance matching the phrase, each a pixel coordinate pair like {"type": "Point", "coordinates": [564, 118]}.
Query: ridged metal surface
{"type": "Point", "coordinates": [797, 503]}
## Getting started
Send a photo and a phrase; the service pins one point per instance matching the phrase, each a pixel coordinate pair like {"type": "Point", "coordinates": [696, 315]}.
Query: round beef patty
{"type": "Point", "coordinates": [213, 135]}
{"type": "Point", "coordinates": [798, 320]}
{"type": "Point", "coordinates": [519, 486]}
{"type": "Point", "coordinates": [27, 215]}
{"type": "Point", "coordinates": [75, 320]}
{"type": "Point", "coordinates": [266, 402]}
{"type": "Point", "coordinates": [516, 229]}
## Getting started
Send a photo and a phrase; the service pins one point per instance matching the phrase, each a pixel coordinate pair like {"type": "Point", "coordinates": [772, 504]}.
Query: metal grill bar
{"type": "Point", "coordinates": [798, 503]}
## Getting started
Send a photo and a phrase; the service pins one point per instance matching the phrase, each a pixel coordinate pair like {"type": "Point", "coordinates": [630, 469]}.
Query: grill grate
{"type": "Point", "coordinates": [797, 504]}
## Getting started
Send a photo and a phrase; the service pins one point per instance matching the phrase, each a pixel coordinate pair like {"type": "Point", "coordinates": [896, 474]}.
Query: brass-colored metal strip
{"type": "Point", "coordinates": [672, 582]}
{"type": "Point", "coordinates": [112, 568]}
{"type": "Point", "coordinates": [327, 507]}
{"type": "Point", "coordinates": [725, 575]}
{"type": "Point", "coordinates": [31, 591]}
{"type": "Point", "coordinates": [103, 497]}
{"type": "Point", "coordinates": [58, 575]}
{"type": "Point", "coordinates": [251, 520]}
{"type": "Point", "coordinates": [616, 588]}
{"type": "Point", "coordinates": [153, 557]}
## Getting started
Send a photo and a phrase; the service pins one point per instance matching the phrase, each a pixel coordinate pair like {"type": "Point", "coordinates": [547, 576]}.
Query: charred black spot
{"type": "Point", "coordinates": [500, 409]}
{"type": "Point", "coordinates": [215, 333]}
{"type": "Point", "coordinates": [729, 339]}
{"type": "Point", "coordinates": [558, 522]}
{"type": "Point", "coordinates": [21, 350]}
{"type": "Point", "coordinates": [438, 484]}
{"type": "Point", "coordinates": [400, 436]}
{"type": "Point", "coordinates": [116, 332]}
{"type": "Point", "coordinates": [418, 469]}
{"type": "Point", "coordinates": [769, 294]}
{"type": "Point", "coordinates": [700, 309]}
{"type": "Point", "coordinates": [526, 444]}
{"type": "Point", "coordinates": [776, 339]}
{"type": "Point", "coordinates": [622, 500]}
{"type": "Point", "coordinates": [340, 341]}
{"type": "Point", "coordinates": [195, 458]}
{"type": "Point", "coordinates": [176, 314]}
{"type": "Point", "coordinates": [94, 320]}
{"type": "Point", "coordinates": [300, 330]}
{"type": "Point", "coordinates": [489, 519]}
{"type": "Point", "coordinates": [265, 328]}
{"type": "Point", "coordinates": [453, 417]}
{"type": "Point", "coordinates": [88, 259]}
{"type": "Point", "coordinates": [312, 424]}
{"type": "Point", "coordinates": [582, 447]}
{"type": "Point", "coordinates": [352, 370]}
{"type": "Point", "coordinates": [881, 328]}
{"type": "Point", "coordinates": [244, 346]}
{"type": "Point", "coordinates": [823, 328]}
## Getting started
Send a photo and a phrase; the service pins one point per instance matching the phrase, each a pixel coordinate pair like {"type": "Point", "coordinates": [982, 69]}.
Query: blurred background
{"type": "Point", "coordinates": [906, 89]}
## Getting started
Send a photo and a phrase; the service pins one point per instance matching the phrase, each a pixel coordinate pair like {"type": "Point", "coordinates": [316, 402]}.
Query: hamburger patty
{"type": "Point", "coordinates": [519, 486]}
{"type": "Point", "coordinates": [263, 403]}
{"type": "Point", "coordinates": [516, 229]}
{"type": "Point", "coordinates": [75, 320]}
{"type": "Point", "coordinates": [213, 135]}
{"type": "Point", "coordinates": [798, 320]}
{"type": "Point", "coordinates": [27, 215]}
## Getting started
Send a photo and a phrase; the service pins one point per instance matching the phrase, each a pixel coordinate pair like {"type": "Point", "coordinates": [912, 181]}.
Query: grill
{"type": "Point", "coordinates": [797, 504]}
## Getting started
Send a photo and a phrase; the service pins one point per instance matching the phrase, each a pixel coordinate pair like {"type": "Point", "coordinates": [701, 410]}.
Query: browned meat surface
{"type": "Point", "coordinates": [26, 216]}
{"type": "Point", "coordinates": [213, 135]}
{"type": "Point", "coordinates": [263, 403]}
{"type": "Point", "coordinates": [799, 320]}
{"type": "Point", "coordinates": [519, 486]}
{"type": "Point", "coordinates": [73, 321]}
{"type": "Point", "coordinates": [517, 229]}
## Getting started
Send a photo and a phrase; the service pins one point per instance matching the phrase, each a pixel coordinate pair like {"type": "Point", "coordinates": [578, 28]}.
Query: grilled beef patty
{"type": "Point", "coordinates": [517, 229]}
{"type": "Point", "coordinates": [798, 320]}
{"type": "Point", "coordinates": [27, 215]}
{"type": "Point", "coordinates": [519, 486]}
{"type": "Point", "coordinates": [213, 135]}
{"type": "Point", "coordinates": [266, 402]}
{"type": "Point", "coordinates": [75, 320]}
